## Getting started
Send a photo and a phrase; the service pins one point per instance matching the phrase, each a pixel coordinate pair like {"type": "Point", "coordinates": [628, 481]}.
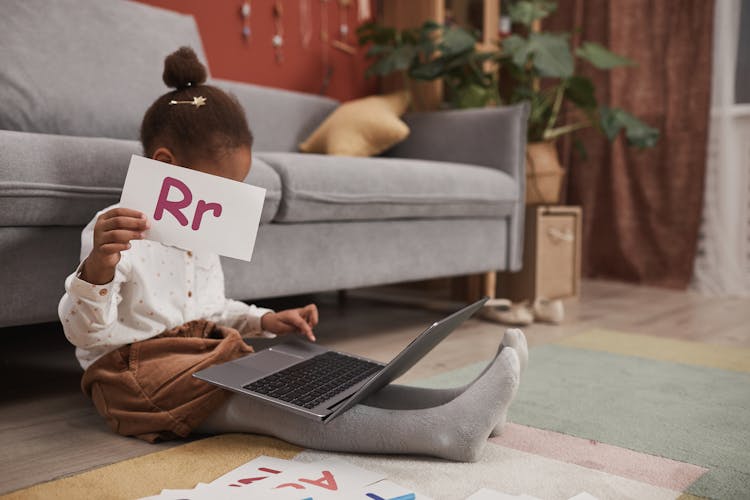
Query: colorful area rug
{"type": "Point", "coordinates": [655, 410]}
{"type": "Point", "coordinates": [618, 415]}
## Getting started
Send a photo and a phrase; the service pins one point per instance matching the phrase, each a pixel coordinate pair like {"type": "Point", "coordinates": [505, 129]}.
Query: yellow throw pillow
{"type": "Point", "coordinates": [362, 127]}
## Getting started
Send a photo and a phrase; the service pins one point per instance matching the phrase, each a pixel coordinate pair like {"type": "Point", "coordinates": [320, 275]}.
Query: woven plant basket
{"type": "Point", "coordinates": [544, 175]}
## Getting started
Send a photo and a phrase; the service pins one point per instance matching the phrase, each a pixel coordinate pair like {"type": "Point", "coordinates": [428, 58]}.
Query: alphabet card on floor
{"type": "Point", "coordinates": [322, 480]}
{"type": "Point", "coordinates": [274, 478]}
{"type": "Point", "coordinates": [194, 210]}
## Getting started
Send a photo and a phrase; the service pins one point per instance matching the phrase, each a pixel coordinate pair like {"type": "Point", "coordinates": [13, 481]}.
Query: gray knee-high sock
{"type": "Point", "coordinates": [401, 397]}
{"type": "Point", "coordinates": [513, 338]}
{"type": "Point", "coordinates": [404, 397]}
{"type": "Point", "coordinates": [456, 430]}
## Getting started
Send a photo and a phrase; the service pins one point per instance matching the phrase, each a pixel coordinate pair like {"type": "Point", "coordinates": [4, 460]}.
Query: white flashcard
{"type": "Point", "coordinates": [323, 480]}
{"type": "Point", "coordinates": [584, 495]}
{"type": "Point", "coordinates": [488, 494]}
{"type": "Point", "coordinates": [194, 210]}
{"type": "Point", "coordinates": [193, 494]}
{"type": "Point", "coordinates": [388, 490]}
{"type": "Point", "coordinates": [257, 471]}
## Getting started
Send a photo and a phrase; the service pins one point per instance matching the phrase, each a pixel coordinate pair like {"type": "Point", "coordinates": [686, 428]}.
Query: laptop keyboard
{"type": "Point", "coordinates": [315, 380]}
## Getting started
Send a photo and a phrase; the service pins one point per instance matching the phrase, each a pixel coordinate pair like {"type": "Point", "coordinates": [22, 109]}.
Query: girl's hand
{"type": "Point", "coordinates": [301, 320]}
{"type": "Point", "coordinates": [113, 232]}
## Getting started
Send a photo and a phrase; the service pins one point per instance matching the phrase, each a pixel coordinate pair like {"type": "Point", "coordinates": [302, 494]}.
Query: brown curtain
{"type": "Point", "coordinates": [642, 209]}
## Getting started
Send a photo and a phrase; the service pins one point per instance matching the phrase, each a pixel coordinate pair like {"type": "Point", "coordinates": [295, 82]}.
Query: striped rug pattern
{"type": "Point", "coordinates": [672, 414]}
{"type": "Point", "coordinates": [619, 415]}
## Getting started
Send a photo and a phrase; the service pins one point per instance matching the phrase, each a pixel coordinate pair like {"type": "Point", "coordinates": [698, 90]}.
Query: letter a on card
{"type": "Point", "coordinates": [194, 210]}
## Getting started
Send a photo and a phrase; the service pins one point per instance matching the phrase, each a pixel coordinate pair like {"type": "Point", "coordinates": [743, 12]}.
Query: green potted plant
{"type": "Point", "coordinates": [430, 52]}
{"type": "Point", "coordinates": [538, 68]}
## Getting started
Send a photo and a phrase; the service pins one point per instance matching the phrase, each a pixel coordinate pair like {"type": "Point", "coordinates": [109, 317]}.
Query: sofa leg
{"type": "Point", "coordinates": [490, 284]}
{"type": "Point", "coordinates": [342, 298]}
{"type": "Point", "coordinates": [473, 287]}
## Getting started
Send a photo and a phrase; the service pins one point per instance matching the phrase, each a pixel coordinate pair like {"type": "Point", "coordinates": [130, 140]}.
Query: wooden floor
{"type": "Point", "coordinates": [48, 429]}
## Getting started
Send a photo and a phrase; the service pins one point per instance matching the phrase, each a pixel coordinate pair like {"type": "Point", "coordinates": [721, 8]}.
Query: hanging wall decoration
{"type": "Point", "coordinates": [344, 19]}
{"type": "Point", "coordinates": [305, 22]}
{"type": "Point", "coordinates": [246, 10]}
{"type": "Point", "coordinates": [324, 55]}
{"type": "Point", "coordinates": [278, 37]}
{"type": "Point", "coordinates": [341, 43]}
{"type": "Point", "coordinates": [363, 10]}
{"type": "Point", "coordinates": [324, 22]}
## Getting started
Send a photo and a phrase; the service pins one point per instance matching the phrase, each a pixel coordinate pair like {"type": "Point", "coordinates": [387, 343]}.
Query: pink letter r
{"type": "Point", "coordinates": [173, 207]}
{"type": "Point", "coordinates": [201, 209]}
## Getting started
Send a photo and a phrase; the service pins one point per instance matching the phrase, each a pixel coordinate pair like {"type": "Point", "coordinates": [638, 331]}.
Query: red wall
{"type": "Point", "coordinates": [231, 57]}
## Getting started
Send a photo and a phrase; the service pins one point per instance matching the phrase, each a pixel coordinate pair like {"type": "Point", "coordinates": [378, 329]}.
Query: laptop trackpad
{"type": "Point", "coordinates": [268, 361]}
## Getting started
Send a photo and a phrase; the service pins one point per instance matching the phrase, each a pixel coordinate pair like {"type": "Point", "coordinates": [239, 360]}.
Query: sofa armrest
{"type": "Point", "coordinates": [489, 137]}
{"type": "Point", "coordinates": [59, 180]}
{"type": "Point", "coordinates": [279, 119]}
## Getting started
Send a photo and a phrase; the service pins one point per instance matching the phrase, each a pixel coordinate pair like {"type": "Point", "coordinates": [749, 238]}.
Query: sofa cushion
{"type": "Point", "coordinates": [54, 180]}
{"type": "Point", "coordinates": [362, 127]}
{"type": "Point", "coordinates": [85, 67]}
{"type": "Point", "coordinates": [335, 188]}
{"type": "Point", "coordinates": [279, 119]}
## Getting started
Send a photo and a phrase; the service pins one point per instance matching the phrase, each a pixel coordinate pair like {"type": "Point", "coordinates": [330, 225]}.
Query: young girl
{"type": "Point", "coordinates": [145, 316]}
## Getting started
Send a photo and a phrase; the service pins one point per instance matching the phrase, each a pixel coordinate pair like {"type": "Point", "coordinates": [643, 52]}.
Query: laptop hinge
{"type": "Point", "coordinates": [339, 402]}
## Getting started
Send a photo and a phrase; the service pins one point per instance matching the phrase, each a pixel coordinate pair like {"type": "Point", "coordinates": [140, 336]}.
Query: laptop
{"type": "Point", "coordinates": [320, 383]}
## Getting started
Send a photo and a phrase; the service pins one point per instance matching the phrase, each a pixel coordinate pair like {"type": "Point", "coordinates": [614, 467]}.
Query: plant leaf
{"type": "Point", "coordinates": [431, 25]}
{"type": "Point", "coordinates": [551, 54]}
{"type": "Point", "coordinates": [403, 56]}
{"type": "Point", "coordinates": [610, 121]}
{"type": "Point", "coordinates": [517, 48]}
{"type": "Point", "coordinates": [376, 50]}
{"type": "Point", "coordinates": [398, 60]}
{"type": "Point", "coordinates": [456, 41]}
{"type": "Point", "coordinates": [379, 35]}
{"type": "Point", "coordinates": [637, 133]}
{"type": "Point", "coordinates": [527, 11]}
{"type": "Point", "coordinates": [512, 44]}
{"type": "Point", "coordinates": [471, 96]}
{"type": "Point", "coordinates": [515, 72]}
{"type": "Point", "coordinates": [580, 90]}
{"type": "Point", "coordinates": [365, 32]}
{"type": "Point", "coordinates": [540, 110]}
{"type": "Point", "coordinates": [429, 70]}
{"type": "Point", "coordinates": [601, 57]}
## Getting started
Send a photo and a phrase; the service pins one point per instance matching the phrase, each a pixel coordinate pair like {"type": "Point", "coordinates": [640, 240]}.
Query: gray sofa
{"type": "Point", "coordinates": [75, 79]}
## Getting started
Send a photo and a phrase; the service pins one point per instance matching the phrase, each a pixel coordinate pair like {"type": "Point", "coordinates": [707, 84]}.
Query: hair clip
{"type": "Point", "coordinates": [197, 102]}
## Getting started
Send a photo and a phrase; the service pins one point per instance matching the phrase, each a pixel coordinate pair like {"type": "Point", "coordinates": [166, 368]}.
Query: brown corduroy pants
{"type": "Point", "coordinates": [146, 389]}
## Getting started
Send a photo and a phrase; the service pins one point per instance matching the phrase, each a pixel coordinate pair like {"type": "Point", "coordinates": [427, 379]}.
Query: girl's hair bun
{"type": "Point", "coordinates": [182, 69]}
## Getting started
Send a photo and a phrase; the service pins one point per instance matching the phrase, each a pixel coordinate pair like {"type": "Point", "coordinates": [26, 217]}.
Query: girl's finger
{"type": "Point", "coordinates": [122, 222]}
{"type": "Point", "coordinates": [121, 211]}
{"type": "Point", "coordinates": [114, 247]}
{"type": "Point", "coordinates": [311, 313]}
{"type": "Point", "coordinates": [120, 236]}
{"type": "Point", "coordinates": [302, 326]}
